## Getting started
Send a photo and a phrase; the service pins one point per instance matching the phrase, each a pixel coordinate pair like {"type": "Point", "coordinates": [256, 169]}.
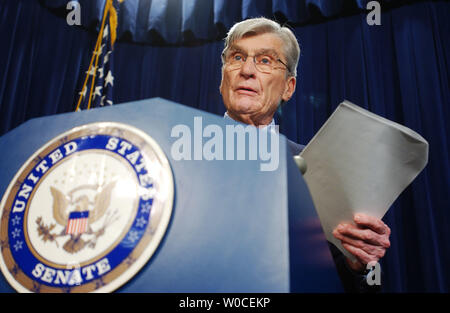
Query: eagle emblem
{"type": "Point", "coordinates": [76, 213]}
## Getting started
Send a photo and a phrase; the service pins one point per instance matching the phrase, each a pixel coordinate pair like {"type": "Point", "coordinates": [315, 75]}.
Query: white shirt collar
{"type": "Point", "coordinates": [271, 124]}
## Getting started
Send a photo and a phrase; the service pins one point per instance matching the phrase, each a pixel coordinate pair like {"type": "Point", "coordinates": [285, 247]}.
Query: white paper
{"type": "Point", "coordinates": [360, 162]}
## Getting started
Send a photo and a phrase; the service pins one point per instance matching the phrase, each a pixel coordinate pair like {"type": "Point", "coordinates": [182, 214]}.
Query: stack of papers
{"type": "Point", "coordinates": [359, 162]}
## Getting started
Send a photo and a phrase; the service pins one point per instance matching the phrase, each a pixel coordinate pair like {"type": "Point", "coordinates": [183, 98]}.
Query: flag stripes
{"type": "Point", "coordinates": [77, 223]}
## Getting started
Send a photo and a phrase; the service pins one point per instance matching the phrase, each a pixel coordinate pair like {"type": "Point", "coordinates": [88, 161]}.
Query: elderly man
{"type": "Point", "coordinates": [259, 73]}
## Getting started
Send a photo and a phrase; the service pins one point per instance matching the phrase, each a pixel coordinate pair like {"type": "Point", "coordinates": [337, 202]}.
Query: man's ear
{"type": "Point", "coordinates": [289, 89]}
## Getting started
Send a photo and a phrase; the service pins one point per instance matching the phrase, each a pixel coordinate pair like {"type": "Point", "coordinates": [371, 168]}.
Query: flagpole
{"type": "Point", "coordinates": [87, 76]}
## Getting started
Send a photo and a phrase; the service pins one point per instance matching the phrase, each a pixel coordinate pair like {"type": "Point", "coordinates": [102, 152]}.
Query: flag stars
{"type": "Point", "coordinates": [97, 91]}
{"type": "Point", "coordinates": [100, 50]}
{"type": "Point", "coordinates": [92, 70]}
{"type": "Point", "coordinates": [83, 92]}
{"type": "Point", "coordinates": [100, 71]}
{"type": "Point", "coordinates": [106, 31]}
{"type": "Point", "coordinates": [106, 58]}
{"type": "Point", "coordinates": [102, 101]}
{"type": "Point", "coordinates": [109, 79]}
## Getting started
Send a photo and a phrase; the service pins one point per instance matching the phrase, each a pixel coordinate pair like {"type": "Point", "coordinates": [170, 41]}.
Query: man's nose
{"type": "Point", "coordinates": [248, 68]}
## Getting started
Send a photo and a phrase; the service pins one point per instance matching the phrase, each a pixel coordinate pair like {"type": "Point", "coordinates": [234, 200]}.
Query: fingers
{"type": "Point", "coordinates": [362, 256]}
{"type": "Point", "coordinates": [367, 235]}
{"type": "Point", "coordinates": [376, 252]}
{"type": "Point", "coordinates": [375, 224]}
{"type": "Point", "coordinates": [367, 240]}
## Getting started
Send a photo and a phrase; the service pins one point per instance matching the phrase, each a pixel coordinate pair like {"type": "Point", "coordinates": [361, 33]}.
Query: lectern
{"type": "Point", "coordinates": [233, 227]}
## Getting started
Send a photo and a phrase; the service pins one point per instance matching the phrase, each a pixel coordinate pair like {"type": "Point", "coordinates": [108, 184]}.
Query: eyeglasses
{"type": "Point", "coordinates": [264, 63]}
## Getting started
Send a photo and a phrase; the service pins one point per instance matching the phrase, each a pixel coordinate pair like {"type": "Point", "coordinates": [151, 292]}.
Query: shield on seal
{"type": "Point", "coordinates": [77, 223]}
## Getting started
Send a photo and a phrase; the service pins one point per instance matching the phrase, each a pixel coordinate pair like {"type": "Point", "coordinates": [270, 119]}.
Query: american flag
{"type": "Point", "coordinates": [97, 89]}
{"type": "Point", "coordinates": [77, 223]}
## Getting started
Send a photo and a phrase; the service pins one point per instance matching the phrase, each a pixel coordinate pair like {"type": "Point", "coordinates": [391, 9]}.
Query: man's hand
{"type": "Point", "coordinates": [367, 241]}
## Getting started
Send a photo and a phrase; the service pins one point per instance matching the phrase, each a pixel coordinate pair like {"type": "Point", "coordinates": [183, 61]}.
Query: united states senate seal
{"type": "Point", "coordinates": [86, 211]}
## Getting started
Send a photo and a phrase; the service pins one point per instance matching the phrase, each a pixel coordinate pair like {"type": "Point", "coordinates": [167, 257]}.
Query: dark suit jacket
{"type": "Point", "coordinates": [351, 281]}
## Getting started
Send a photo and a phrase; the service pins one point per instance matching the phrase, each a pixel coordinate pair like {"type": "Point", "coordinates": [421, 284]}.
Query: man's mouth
{"type": "Point", "coordinates": [246, 90]}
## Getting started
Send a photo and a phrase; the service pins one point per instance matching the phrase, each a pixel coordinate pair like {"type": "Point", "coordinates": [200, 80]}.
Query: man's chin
{"type": "Point", "coordinates": [246, 106]}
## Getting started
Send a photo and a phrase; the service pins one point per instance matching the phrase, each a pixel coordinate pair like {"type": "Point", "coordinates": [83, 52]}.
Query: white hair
{"type": "Point", "coordinates": [261, 25]}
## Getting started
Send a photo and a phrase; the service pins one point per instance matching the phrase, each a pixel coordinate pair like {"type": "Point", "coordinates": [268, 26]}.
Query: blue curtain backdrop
{"type": "Point", "coordinates": [399, 70]}
{"type": "Point", "coordinates": [175, 21]}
